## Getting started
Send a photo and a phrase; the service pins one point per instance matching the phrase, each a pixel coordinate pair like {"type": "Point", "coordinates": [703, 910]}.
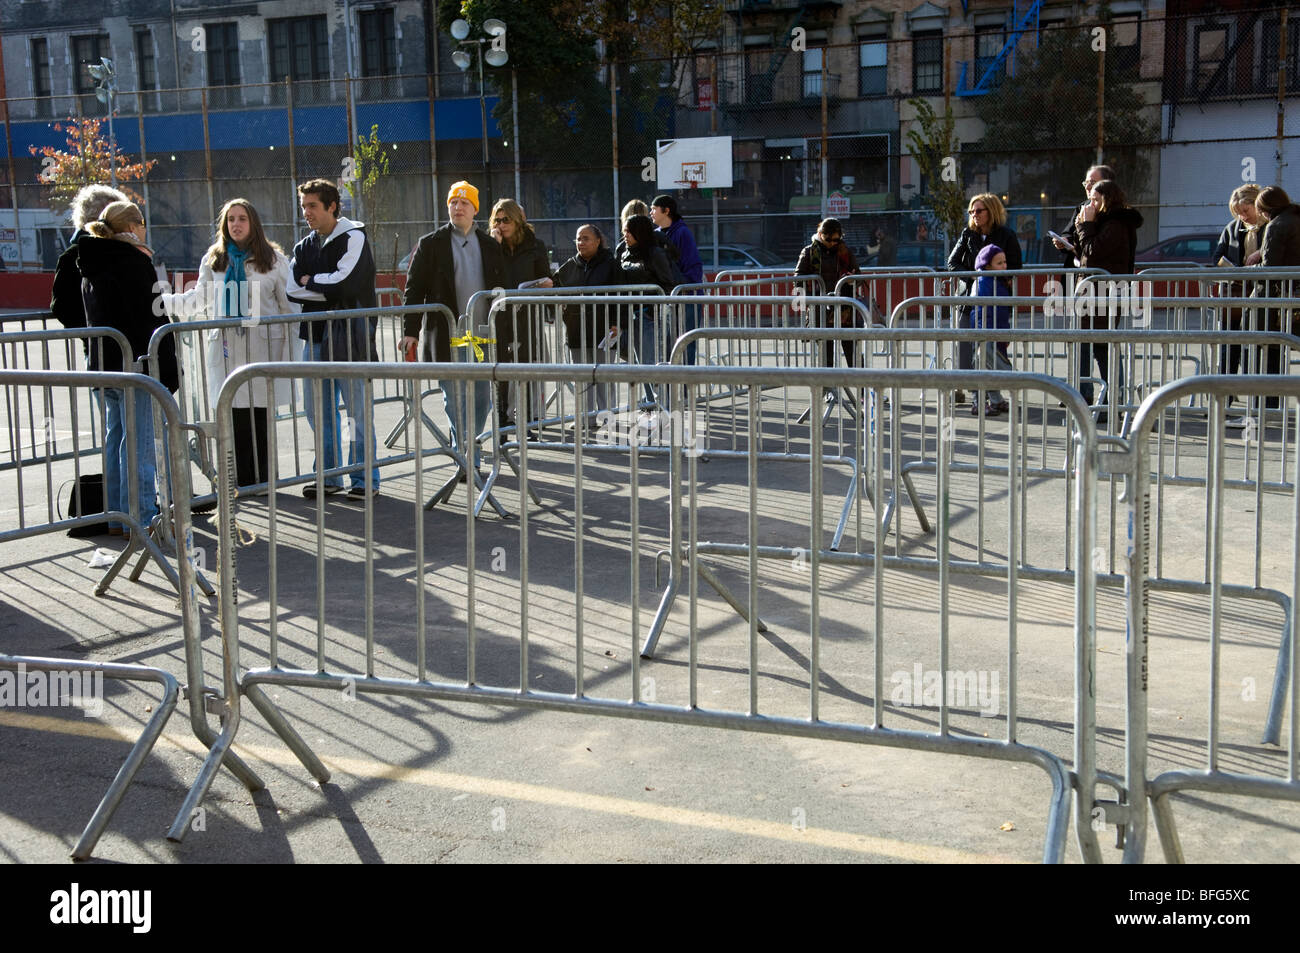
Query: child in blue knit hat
{"type": "Point", "coordinates": [991, 355]}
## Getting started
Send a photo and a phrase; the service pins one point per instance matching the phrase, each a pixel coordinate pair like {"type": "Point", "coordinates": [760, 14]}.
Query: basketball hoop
{"type": "Point", "coordinates": [691, 184]}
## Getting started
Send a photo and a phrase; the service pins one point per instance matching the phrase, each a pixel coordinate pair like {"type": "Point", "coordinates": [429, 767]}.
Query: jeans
{"type": "Point", "coordinates": [455, 395]}
{"type": "Point", "coordinates": [117, 489]}
{"type": "Point", "coordinates": [352, 393]}
{"type": "Point", "coordinates": [689, 318]}
{"type": "Point", "coordinates": [648, 344]}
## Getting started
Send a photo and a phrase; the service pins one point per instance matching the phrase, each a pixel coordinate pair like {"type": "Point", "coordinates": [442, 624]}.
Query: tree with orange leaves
{"type": "Point", "coordinates": [84, 162]}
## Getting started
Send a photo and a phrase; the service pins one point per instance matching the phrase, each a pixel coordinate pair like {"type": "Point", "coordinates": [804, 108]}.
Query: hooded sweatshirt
{"type": "Point", "coordinates": [340, 272]}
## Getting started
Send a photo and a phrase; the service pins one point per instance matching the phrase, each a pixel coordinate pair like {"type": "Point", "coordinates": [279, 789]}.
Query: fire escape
{"type": "Point", "coordinates": [1018, 24]}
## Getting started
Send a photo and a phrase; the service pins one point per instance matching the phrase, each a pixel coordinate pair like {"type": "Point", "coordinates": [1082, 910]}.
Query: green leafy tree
{"type": "Point", "coordinates": [933, 143]}
{"type": "Point", "coordinates": [370, 185]}
{"type": "Point", "coordinates": [1043, 121]}
{"type": "Point", "coordinates": [561, 51]}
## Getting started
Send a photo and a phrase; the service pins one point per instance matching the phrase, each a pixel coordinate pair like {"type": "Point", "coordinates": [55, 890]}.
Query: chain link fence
{"type": "Point", "coordinates": [808, 125]}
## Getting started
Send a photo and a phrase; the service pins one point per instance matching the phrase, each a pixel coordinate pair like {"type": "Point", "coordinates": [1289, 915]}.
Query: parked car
{"type": "Point", "coordinates": [1197, 246]}
{"type": "Point", "coordinates": [732, 257]}
{"type": "Point", "coordinates": [913, 253]}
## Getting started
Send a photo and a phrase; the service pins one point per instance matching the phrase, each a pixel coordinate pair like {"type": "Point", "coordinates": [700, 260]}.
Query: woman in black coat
{"type": "Point", "coordinates": [121, 290]}
{"type": "Point", "coordinates": [526, 263]}
{"type": "Point", "coordinates": [986, 225]}
{"type": "Point", "coordinates": [1279, 248]}
{"type": "Point", "coordinates": [595, 331]}
{"type": "Point", "coordinates": [1239, 247]}
{"type": "Point", "coordinates": [1107, 229]}
{"type": "Point", "coordinates": [644, 262]}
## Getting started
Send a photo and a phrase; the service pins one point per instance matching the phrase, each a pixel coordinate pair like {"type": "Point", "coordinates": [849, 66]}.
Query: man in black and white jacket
{"type": "Point", "coordinates": [334, 270]}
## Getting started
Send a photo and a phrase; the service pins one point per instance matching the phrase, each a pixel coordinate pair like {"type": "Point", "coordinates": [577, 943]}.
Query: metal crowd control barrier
{"type": "Point", "coordinates": [135, 387]}
{"type": "Point", "coordinates": [56, 352]}
{"type": "Point", "coordinates": [620, 408]}
{"type": "Point", "coordinates": [538, 333]}
{"type": "Point", "coordinates": [194, 337]}
{"type": "Point", "coordinates": [425, 662]}
{"type": "Point", "coordinates": [1200, 282]}
{"type": "Point", "coordinates": [1144, 675]}
{"type": "Point", "coordinates": [746, 274]}
{"type": "Point", "coordinates": [34, 427]}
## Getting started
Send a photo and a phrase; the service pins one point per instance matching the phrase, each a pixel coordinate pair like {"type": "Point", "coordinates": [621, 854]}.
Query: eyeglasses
{"type": "Point", "coordinates": [500, 221]}
{"type": "Point", "coordinates": [831, 239]}
{"type": "Point", "coordinates": [979, 211]}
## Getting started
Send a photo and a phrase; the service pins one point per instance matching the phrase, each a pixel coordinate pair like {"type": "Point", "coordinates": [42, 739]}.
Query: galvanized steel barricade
{"type": "Point", "coordinates": [55, 350]}
{"type": "Point", "coordinates": [65, 424]}
{"type": "Point", "coordinates": [403, 642]}
{"type": "Point", "coordinates": [531, 330]}
{"type": "Point", "coordinates": [647, 411]}
{"type": "Point", "coordinates": [134, 387]}
{"type": "Point", "coordinates": [1231, 765]}
{"type": "Point", "coordinates": [206, 348]}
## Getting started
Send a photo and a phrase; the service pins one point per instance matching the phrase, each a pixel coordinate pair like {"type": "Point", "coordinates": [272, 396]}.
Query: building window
{"type": "Point", "coordinates": [1268, 58]}
{"type": "Point", "coordinates": [299, 48]}
{"type": "Point", "coordinates": [378, 43]}
{"type": "Point", "coordinates": [146, 63]}
{"type": "Point", "coordinates": [812, 73]}
{"type": "Point", "coordinates": [223, 53]}
{"type": "Point", "coordinates": [41, 67]}
{"type": "Point", "coordinates": [758, 76]}
{"type": "Point", "coordinates": [872, 59]}
{"type": "Point", "coordinates": [1126, 44]}
{"type": "Point", "coordinates": [989, 41]}
{"type": "Point", "coordinates": [1210, 49]}
{"type": "Point", "coordinates": [87, 51]}
{"type": "Point", "coordinates": [927, 61]}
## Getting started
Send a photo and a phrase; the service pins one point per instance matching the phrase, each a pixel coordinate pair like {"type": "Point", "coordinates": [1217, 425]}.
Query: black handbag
{"type": "Point", "coordinates": [86, 499]}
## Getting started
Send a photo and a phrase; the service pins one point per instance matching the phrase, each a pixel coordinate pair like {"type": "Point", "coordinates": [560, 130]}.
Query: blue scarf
{"type": "Point", "coordinates": [230, 298]}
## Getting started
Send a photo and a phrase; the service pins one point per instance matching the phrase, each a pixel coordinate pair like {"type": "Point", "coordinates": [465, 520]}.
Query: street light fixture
{"type": "Point", "coordinates": [106, 92]}
{"type": "Point", "coordinates": [495, 56]}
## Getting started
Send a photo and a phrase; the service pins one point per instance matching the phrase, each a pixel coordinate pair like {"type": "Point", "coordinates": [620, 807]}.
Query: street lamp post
{"type": "Point", "coordinates": [495, 56]}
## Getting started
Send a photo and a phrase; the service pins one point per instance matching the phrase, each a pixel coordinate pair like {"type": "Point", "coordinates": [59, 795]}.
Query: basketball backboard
{"type": "Point", "coordinates": [701, 163]}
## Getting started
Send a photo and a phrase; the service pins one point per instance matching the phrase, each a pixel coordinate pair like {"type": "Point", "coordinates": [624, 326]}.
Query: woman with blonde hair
{"type": "Point", "coordinates": [526, 264]}
{"type": "Point", "coordinates": [243, 275]}
{"type": "Point", "coordinates": [1238, 247]}
{"type": "Point", "coordinates": [986, 225]}
{"type": "Point", "coordinates": [121, 290]}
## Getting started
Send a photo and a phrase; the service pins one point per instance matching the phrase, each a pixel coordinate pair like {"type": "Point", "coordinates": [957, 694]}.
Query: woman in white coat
{"type": "Point", "coordinates": [243, 275]}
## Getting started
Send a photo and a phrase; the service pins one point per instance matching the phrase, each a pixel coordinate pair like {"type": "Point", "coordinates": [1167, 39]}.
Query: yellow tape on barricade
{"type": "Point", "coordinates": [476, 343]}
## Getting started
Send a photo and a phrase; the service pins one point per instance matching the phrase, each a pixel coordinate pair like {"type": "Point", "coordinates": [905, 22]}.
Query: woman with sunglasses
{"type": "Point", "coordinates": [827, 255]}
{"type": "Point", "coordinates": [986, 225]}
{"type": "Point", "coordinates": [526, 263]}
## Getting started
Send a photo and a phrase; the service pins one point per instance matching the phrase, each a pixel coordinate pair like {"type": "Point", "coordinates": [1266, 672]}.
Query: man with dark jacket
{"type": "Point", "coordinates": [668, 222]}
{"type": "Point", "coordinates": [449, 265]}
{"type": "Point", "coordinates": [334, 270]}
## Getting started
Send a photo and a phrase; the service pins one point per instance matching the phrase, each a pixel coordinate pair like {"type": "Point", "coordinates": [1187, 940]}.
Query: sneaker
{"type": "Point", "coordinates": [309, 490]}
{"type": "Point", "coordinates": [1235, 423]}
{"type": "Point", "coordinates": [359, 492]}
